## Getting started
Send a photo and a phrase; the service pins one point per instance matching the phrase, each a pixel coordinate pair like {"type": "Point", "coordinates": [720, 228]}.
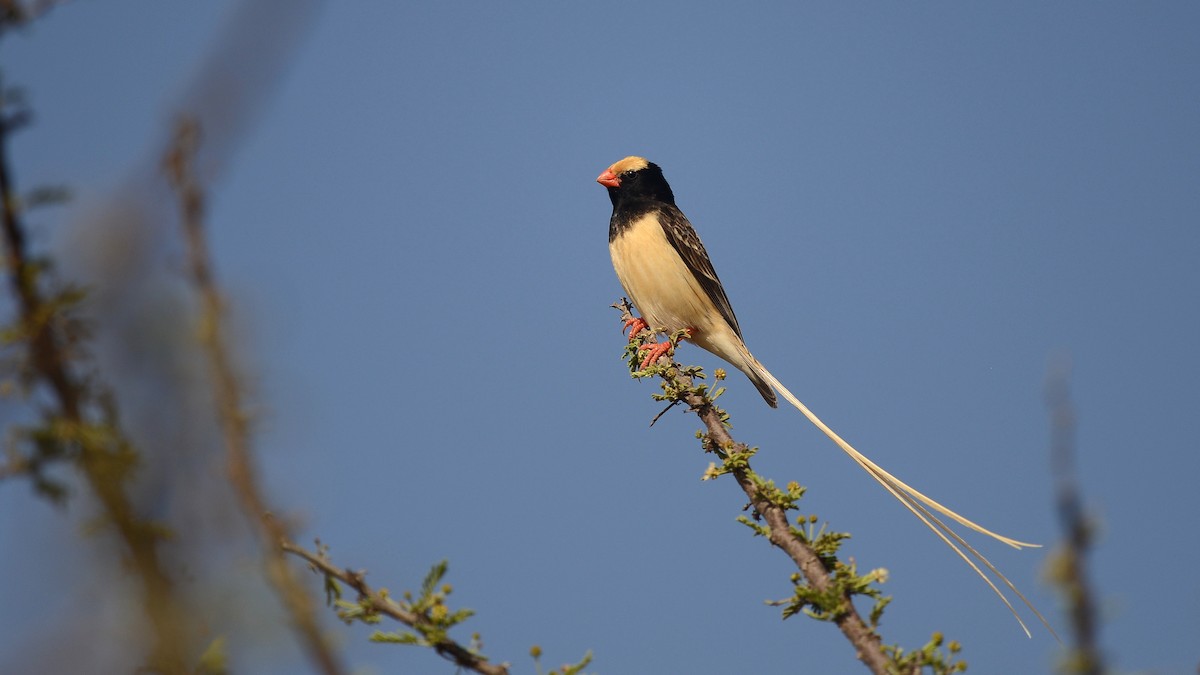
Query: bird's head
{"type": "Point", "coordinates": [635, 178]}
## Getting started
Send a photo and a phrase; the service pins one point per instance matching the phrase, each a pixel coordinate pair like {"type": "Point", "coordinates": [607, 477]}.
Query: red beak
{"type": "Point", "coordinates": [608, 179]}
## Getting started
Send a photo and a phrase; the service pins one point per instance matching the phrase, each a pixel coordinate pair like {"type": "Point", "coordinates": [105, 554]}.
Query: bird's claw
{"type": "Point", "coordinates": [635, 325]}
{"type": "Point", "coordinates": [654, 351]}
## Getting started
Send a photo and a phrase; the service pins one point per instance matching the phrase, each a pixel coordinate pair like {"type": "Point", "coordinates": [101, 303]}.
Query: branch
{"type": "Point", "coordinates": [831, 584]}
{"type": "Point", "coordinates": [235, 425]}
{"type": "Point", "coordinates": [1068, 567]}
{"type": "Point", "coordinates": [81, 421]}
{"type": "Point", "coordinates": [374, 603]}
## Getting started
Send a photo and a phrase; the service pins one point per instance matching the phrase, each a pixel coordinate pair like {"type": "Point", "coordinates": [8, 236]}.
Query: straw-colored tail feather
{"type": "Point", "coordinates": [920, 506]}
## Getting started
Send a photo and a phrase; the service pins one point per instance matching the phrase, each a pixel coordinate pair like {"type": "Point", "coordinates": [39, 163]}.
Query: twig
{"type": "Point", "coordinates": [227, 394]}
{"type": "Point", "coordinates": [867, 644]}
{"type": "Point", "coordinates": [378, 602]}
{"type": "Point", "coordinates": [662, 412]}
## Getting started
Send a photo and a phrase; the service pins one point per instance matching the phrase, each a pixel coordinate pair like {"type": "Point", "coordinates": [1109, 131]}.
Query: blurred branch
{"type": "Point", "coordinates": [428, 615]}
{"type": "Point", "coordinates": [1067, 568]}
{"type": "Point", "coordinates": [227, 393]}
{"type": "Point", "coordinates": [234, 83]}
{"type": "Point", "coordinates": [231, 86]}
{"type": "Point", "coordinates": [80, 421]}
{"type": "Point", "coordinates": [14, 13]}
{"type": "Point", "coordinates": [829, 585]}
{"type": "Point", "coordinates": [15, 466]}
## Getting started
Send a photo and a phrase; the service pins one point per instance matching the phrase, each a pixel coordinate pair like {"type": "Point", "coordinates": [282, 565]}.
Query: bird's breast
{"type": "Point", "coordinates": [657, 280]}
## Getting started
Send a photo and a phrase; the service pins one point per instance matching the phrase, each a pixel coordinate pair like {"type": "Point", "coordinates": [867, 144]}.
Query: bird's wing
{"type": "Point", "coordinates": [687, 244]}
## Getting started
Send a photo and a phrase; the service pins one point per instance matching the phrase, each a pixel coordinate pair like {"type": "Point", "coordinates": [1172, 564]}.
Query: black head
{"type": "Point", "coordinates": [636, 179]}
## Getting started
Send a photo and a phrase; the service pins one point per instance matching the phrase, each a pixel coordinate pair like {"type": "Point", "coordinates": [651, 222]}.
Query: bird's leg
{"type": "Point", "coordinates": [635, 324]}
{"type": "Point", "coordinates": [655, 350]}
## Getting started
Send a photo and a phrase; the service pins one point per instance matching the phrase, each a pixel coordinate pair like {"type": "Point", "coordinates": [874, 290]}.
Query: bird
{"type": "Point", "coordinates": [669, 276]}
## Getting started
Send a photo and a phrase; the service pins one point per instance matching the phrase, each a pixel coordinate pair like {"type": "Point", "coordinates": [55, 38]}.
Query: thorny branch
{"type": "Point", "coordinates": [235, 423]}
{"type": "Point", "coordinates": [867, 644]}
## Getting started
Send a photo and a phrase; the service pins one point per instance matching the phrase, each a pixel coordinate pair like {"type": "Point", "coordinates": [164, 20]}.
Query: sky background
{"type": "Point", "coordinates": [916, 209]}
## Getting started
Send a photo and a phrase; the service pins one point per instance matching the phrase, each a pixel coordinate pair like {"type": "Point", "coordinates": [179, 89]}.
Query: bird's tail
{"type": "Point", "coordinates": [921, 506]}
{"type": "Point", "coordinates": [760, 383]}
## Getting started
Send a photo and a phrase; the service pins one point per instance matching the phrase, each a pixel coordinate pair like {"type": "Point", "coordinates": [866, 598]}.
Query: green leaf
{"type": "Point", "coordinates": [400, 638]}
{"type": "Point", "coordinates": [433, 577]}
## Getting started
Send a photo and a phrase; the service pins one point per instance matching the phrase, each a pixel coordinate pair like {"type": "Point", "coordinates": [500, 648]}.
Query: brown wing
{"type": "Point", "coordinates": [683, 237]}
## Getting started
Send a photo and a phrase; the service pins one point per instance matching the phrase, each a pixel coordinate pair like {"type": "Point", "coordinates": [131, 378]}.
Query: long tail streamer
{"type": "Point", "coordinates": [920, 506]}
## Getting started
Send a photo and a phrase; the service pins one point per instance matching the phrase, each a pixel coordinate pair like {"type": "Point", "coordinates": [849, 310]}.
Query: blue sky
{"type": "Point", "coordinates": [915, 208]}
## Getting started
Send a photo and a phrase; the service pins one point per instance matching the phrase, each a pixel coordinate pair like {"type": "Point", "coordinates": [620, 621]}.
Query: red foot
{"type": "Point", "coordinates": [635, 325]}
{"type": "Point", "coordinates": [654, 351]}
